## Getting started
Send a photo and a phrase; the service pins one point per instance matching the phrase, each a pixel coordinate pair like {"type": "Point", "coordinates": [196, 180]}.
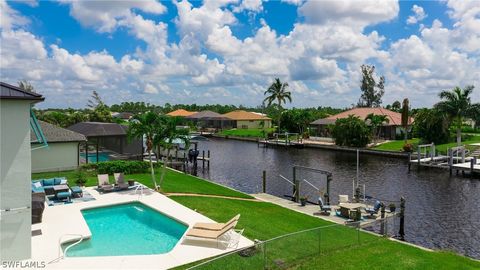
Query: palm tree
{"type": "Point", "coordinates": [277, 91]}
{"type": "Point", "coordinates": [25, 85]}
{"type": "Point", "coordinates": [145, 125]}
{"type": "Point", "coordinates": [457, 105]}
{"type": "Point", "coordinates": [168, 136]}
{"type": "Point", "coordinates": [376, 121]}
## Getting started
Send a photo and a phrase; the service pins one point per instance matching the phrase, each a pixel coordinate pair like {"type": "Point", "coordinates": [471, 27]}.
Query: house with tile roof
{"type": "Point", "coordinates": [388, 131]}
{"type": "Point", "coordinates": [249, 120]}
{"type": "Point", "coordinates": [180, 113]}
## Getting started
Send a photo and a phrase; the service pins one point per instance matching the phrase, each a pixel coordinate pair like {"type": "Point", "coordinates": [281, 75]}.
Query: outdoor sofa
{"type": "Point", "coordinates": [47, 185]}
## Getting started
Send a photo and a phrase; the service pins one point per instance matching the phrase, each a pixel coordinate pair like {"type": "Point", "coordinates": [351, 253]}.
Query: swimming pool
{"type": "Point", "coordinates": [127, 229]}
{"type": "Point", "coordinates": [92, 157]}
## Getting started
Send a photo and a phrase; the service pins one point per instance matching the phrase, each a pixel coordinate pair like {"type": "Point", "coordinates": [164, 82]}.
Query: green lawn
{"type": "Point", "coordinates": [338, 247]}
{"type": "Point", "coordinates": [443, 148]}
{"type": "Point", "coordinates": [174, 182]}
{"type": "Point", "coordinates": [254, 133]}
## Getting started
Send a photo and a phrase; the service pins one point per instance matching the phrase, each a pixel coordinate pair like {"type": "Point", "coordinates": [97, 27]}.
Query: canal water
{"type": "Point", "coordinates": [442, 212]}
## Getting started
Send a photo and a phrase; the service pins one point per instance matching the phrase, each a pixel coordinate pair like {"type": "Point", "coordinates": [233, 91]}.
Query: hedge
{"type": "Point", "coordinates": [124, 166]}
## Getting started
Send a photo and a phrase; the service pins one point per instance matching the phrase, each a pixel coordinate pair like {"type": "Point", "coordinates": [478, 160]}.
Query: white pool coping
{"type": "Point", "coordinates": [65, 219]}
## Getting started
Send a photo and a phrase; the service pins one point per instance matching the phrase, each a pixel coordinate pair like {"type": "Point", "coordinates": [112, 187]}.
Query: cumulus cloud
{"type": "Point", "coordinates": [10, 18]}
{"type": "Point", "coordinates": [418, 15]}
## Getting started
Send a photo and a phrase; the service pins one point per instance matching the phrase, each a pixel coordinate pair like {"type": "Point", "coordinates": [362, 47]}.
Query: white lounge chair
{"type": "Point", "coordinates": [215, 226]}
{"type": "Point", "coordinates": [120, 181]}
{"type": "Point", "coordinates": [104, 183]}
{"type": "Point", "coordinates": [227, 235]}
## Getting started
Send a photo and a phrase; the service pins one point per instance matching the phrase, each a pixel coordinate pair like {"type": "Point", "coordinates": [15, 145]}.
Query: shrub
{"type": "Point", "coordinates": [127, 167]}
{"type": "Point", "coordinates": [80, 177]}
{"type": "Point", "coordinates": [351, 131]}
{"type": "Point", "coordinates": [431, 126]}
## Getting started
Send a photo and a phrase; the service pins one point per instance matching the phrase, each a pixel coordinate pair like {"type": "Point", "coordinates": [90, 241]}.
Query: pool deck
{"type": "Point", "coordinates": [61, 220]}
{"type": "Point", "coordinates": [311, 209]}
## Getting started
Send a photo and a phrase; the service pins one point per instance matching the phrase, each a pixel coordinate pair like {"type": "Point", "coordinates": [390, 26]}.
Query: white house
{"type": "Point", "coordinates": [15, 171]}
{"type": "Point", "coordinates": [61, 153]}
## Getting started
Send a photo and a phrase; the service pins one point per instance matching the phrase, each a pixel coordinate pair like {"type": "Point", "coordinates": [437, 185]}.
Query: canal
{"type": "Point", "coordinates": [442, 212]}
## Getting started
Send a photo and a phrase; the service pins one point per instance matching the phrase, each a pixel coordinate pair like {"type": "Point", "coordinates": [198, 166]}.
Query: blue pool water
{"type": "Point", "coordinates": [92, 157]}
{"type": "Point", "coordinates": [127, 229]}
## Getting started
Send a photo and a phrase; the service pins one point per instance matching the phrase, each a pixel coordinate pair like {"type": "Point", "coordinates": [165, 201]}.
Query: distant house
{"type": "Point", "coordinates": [181, 113]}
{"type": "Point", "coordinates": [122, 115]}
{"type": "Point", "coordinates": [107, 141]}
{"type": "Point", "coordinates": [210, 120]}
{"type": "Point", "coordinates": [249, 120]}
{"type": "Point", "coordinates": [62, 152]}
{"type": "Point", "coordinates": [389, 131]}
{"type": "Point", "coordinates": [16, 121]}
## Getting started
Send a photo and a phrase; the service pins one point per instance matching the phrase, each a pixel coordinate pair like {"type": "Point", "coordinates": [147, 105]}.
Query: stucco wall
{"type": "Point", "coordinates": [246, 124]}
{"type": "Point", "coordinates": [55, 157]}
{"type": "Point", "coordinates": [15, 177]}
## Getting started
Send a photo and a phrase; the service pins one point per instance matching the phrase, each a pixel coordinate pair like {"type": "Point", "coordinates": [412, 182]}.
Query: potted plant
{"type": "Point", "coordinates": [80, 177]}
{"type": "Point", "coordinates": [131, 182]}
{"type": "Point", "coordinates": [392, 207]}
{"type": "Point", "coordinates": [303, 200]}
{"type": "Point", "coordinates": [408, 147]}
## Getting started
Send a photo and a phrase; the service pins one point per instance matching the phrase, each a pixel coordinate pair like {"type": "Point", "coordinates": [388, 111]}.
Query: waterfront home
{"type": "Point", "coordinates": [210, 120]}
{"type": "Point", "coordinates": [16, 120]}
{"type": "Point", "coordinates": [62, 152]}
{"type": "Point", "coordinates": [181, 113]}
{"type": "Point", "coordinates": [107, 141]}
{"type": "Point", "coordinates": [249, 120]}
{"type": "Point", "coordinates": [122, 115]}
{"type": "Point", "coordinates": [388, 131]}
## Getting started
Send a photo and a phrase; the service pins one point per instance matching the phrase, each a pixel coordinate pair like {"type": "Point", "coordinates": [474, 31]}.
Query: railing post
{"type": "Point", "coordinates": [264, 182]}
{"type": "Point", "coordinates": [401, 231]}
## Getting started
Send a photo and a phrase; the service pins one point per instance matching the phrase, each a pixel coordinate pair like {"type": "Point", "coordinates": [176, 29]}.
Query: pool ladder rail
{"type": "Point", "coordinates": [62, 255]}
{"type": "Point", "coordinates": [139, 189]}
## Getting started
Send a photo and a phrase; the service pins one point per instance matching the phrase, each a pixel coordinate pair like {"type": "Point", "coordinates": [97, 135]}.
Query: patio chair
{"type": "Point", "coordinates": [342, 198]}
{"type": "Point", "coordinates": [373, 211]}
{"type": "Point", "coordinates": [120, 181]}
{"type": "Point", "coordinates": [226, 235]}
{"type": "Point", "coordinates": [104, 183]}
{"type": "Point", "coordinates": [324, 208]}
{"type": "Point", "coordinates": [213, 226]}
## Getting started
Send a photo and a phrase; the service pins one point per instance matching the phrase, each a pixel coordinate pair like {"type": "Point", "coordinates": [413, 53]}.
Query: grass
{"type": "Point", "coordinates": [174, 182]}
{"type": "Point", "coordinates": [337, 249]}
{"type": "Point", "coordinates": [443, 148]}
{"type": "Point", "coordinates": [253, 133]}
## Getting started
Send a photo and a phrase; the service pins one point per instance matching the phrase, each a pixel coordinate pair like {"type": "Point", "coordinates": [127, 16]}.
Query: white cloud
{"type": "Point", "coordinates": [150, 89]}
{"type": "Point", "coordinates": [10, 18]}
{"type": "Point", "coordinates": [418, 15]}
{"type": "Point", "coordinates": [249, 5]}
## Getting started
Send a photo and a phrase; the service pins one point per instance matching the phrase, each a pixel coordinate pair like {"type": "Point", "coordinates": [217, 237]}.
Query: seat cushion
{"type": "Point", "coordinates": [48, 182]}
{"type": "Point", "coordinates": [76, 189]}
{"type": "Point", "coordinates": [37, 187]}
{"type": "Point", "coordinates": [57, 181]}
{"type": "Point", "coordinates": [63, 195]}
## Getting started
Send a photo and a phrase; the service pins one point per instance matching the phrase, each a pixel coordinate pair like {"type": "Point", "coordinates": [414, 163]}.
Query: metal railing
{"type": "Point", "coordinates": [61, 255]}
{"type": "Point", "coordinates": [317, 245]}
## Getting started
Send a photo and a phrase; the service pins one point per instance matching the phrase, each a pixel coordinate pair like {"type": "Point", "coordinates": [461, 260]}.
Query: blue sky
{"type": "Point", "coordinates": [196, 52]}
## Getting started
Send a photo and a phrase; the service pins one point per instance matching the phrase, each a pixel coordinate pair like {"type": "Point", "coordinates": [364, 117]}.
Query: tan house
{"type": "Point", "coordinates": [389, 130]}
{"type": "Point", "coordinates": [249, 120]}
{"type": "Point", "coordinates": [181, 113]}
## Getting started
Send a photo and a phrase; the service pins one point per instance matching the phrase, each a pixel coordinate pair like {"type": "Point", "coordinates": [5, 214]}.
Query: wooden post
{"type": "Point", "coordinates": [295, 190]}
{"type": "Point", "coordinates": [382, 216]}
{"type": "Point", "coordinates": [450, 160]}
{"type": "Point", "coordinates": [203, 158]}
{"type": "Point", "coordinates": [264, 182]}
{"type": "Point", "coordinates": [208, 163]}
{"type": "Point", "coordinates": [401, 231]}
{"type": "Point", "coordinates": [409, 159]}
{"type": "Point", "coordinates": [327, 195]}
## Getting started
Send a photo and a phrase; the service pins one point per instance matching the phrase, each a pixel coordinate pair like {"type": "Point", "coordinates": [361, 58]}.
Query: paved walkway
{"type": "Point", "coordinates": [212, 196]}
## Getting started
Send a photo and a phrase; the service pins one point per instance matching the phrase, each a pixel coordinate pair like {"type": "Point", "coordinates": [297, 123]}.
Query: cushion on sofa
{"type": "Point", "coordinates": [37, 187]}
{"type": "Point", "coordinates": [58, 181]}
{"type": "Point", "coordinates": [64, 181]}
{"type": "Point", "coordinates": [49, 182]}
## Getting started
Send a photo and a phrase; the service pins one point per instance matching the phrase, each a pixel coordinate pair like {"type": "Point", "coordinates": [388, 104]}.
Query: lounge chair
{"type": "Point", "coordinates": [342, 198]}
{"type": "Point", "coordinates": [120, 181]}
{"type": "Point", "coordinates": [215, 226]}
{"type": "Point", "coordinates": [104, 183]}
{"type": "Point", "coordinates": [226, 235]}
{"type": "Point", "coordinates": [373, 211]}
{"type": "Point", "coordinates": [325, 208]}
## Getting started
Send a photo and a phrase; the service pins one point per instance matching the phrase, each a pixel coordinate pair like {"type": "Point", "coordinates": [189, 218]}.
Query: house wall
{"type": "Point", "coordinates": [56, 157]}
{"type": "Point", "coordinates": [253, 124]}
{"type": "Point", "coordinates": [15, 178]}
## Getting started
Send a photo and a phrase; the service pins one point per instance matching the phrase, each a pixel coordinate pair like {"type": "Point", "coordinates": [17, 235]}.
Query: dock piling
{"type": "Point", "coordinates": [401, 231]}
{"type": "Point", "coordinates": [264, 182]}
{"type": "Point", "coordinates": [382, 216]}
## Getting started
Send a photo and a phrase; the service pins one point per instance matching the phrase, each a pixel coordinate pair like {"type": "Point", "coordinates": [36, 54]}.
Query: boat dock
{"type": "Point", "coordinates": [314, 210]}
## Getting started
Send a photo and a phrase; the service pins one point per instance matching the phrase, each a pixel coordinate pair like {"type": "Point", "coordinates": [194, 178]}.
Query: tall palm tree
{"type": "Point", "coordinates": [457, 105]}
{"type": "Point", "coordinates": [277, 92]}
{"type": "Point", "coordinates": [405, 118]}
{"type": "Point", "coordinates": [145, 126]}
{"type": "Point", "coordinates": [168, 136]}
{"type": "Point", "coordinates": [375, 122]}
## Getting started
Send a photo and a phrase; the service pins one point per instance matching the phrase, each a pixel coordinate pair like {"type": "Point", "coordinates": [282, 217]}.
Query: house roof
{"type": "Point", "coordinates": [395, 119]}
{"type": "Point", "coordinates": [122, 115]}
{"type": "Point", "coordinates": [9, 91]}
{"type": "Point", "coordinates": [181, 112]}
{"type": "Point", "coordinates": [207, 115]}
{"type": "Point", "coordinates": [99, 129]}
{"type": "Point", "coordinates": [244, 115]}
{"type": "Point", "coordinates": [54, 133]}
